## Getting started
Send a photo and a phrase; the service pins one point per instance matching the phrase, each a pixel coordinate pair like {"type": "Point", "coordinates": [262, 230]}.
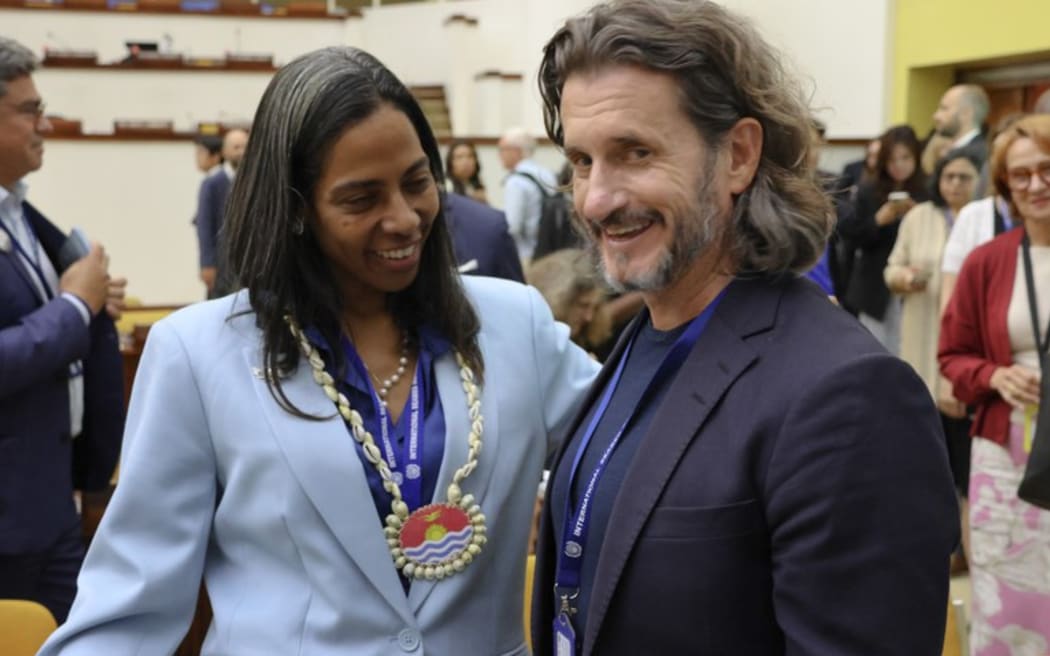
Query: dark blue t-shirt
{"type": "Point", "coordinates": [650, 347]}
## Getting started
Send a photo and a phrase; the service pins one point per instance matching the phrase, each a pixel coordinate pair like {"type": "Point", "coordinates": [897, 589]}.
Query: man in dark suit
{"type": "Point", "coordinates": [211, 208]}
{"type": "Point", "coordinates": [61, 384]}
{"type": "Point", "coordinates": [481, 239]}
{"type": "Point", "coordinates": [752, 473]}
{"type": "Point", "coordinates": [960, 116]}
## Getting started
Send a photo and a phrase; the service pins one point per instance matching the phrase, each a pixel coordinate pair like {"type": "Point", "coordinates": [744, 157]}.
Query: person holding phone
{"type": "Point", "coordinates": [898, 186]}
{"type": "Point", "coordinates": [913, 272]}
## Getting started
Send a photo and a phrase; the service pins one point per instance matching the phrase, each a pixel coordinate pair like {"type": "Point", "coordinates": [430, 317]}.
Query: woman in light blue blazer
{"type": "Point", "coordinates": [348, 450]}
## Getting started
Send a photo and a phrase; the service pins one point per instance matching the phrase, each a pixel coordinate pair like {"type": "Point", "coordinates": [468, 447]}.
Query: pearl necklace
{"type": "Point", "coordinates": [387, 384]}
{"type": "Point", "coordinates": [436, 540]}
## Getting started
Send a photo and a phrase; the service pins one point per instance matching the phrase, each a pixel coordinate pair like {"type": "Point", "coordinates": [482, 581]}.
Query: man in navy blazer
{"type": "Point", "coordinates": [211, 209]}
{"type": "Point", "coordinates": [752, 473]}
{"type": "Point", "coordinates": [61, 382]}
{"type": "Point", "coordinates": [481, 239]}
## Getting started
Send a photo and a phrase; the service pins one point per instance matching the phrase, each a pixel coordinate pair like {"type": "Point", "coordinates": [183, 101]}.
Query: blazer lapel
{"type": "Point", "coordinates": [324, 459]}
{"type": "Point", "coordinates": [17, 264]}
{"type": "Point", "coordinates": [457, 427]}
{"type": "Point", "coordinates": [719, 357]}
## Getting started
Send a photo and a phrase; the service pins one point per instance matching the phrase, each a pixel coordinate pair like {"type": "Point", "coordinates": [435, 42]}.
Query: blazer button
{"type": "Point", "coordinates": [408, 640]}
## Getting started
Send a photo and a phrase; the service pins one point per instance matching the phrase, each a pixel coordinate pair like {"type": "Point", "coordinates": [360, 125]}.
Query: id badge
{"type": "Point", "coordinates": [564, 636]}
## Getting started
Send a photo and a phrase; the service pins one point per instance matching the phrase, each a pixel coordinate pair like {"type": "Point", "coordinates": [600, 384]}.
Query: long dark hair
{"type": "Point", "coordinates": [899, 135]}
{"type": "Point", "coordinates": [270, 243]}
{"type": "Point", "coordinates": [475, 179]}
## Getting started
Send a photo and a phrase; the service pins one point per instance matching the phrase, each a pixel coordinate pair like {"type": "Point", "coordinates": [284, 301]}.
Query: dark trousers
{"type": "Point", "coordinates": [957, 431]}
{"type": "Point", "coordinates": [48, 577]}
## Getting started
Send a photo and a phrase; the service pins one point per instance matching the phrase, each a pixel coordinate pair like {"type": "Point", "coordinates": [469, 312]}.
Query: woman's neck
{"type": "Point", "coordinates": [1038, 232]}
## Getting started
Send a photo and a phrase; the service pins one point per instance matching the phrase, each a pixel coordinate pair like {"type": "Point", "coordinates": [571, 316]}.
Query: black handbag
{"type": "Point", "coordinates": [1035, 486]}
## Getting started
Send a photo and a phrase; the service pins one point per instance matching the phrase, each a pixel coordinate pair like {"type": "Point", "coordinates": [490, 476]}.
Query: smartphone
{"type": "Point", "coordinates": [897, 196]}
{"type": "Point", "coordinates": [75, 247]}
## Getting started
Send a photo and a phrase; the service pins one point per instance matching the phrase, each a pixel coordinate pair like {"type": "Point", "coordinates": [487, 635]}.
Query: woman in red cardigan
{"type": "Point", "coordinates": [991, 334]}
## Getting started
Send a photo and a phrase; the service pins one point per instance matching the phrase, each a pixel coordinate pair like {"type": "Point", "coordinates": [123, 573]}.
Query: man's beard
{"type": "Point", "coordinates": [693, 234]}
{"type": "Point", "coordinates": [950, 129]}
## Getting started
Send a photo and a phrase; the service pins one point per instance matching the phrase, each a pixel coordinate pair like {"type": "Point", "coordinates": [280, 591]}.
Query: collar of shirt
{"type": "Point", "coordinates": [966, 138]}
{"type": "Point", "coordinates": [11, 209]}
{"type": "Point", "coordinates": [12, 199]}
{"type": "Point", "coordinates": [231, 172]}
{"type": "Point", "coordinates": [524, 166]}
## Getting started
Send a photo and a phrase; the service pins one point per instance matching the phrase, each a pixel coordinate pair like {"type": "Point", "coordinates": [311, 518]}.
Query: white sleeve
{"type": "Point", "coordinates": [138, 587]}
{"type": "Point", "coordinates": [964, 237]}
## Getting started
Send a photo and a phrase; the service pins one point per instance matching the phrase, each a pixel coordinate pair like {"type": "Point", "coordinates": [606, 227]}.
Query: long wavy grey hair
{"type": "Point", "coordinates": [726, 71]}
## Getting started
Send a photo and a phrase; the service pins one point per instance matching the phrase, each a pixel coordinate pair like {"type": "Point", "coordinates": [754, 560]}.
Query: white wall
{"type": "Point", "coordinates": [137, 199]}
{"type": "Point", "coordinates": [840, 49]}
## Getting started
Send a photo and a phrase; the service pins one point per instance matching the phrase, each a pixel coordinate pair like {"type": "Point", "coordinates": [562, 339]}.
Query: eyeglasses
{"type": "Point", "coordinates": [1021, 179]}
{"type": "Point", "coordinates": [33, 108]}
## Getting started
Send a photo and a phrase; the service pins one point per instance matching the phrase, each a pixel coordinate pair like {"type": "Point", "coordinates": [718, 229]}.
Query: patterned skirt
{"type": "Point", "coordinates": [1010, 563]}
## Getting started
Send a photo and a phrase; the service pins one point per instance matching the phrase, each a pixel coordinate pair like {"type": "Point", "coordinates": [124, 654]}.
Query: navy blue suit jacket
{"type": "Point", "coordinates": [39, 464]}
{"type": "Point", "coordinates": [792, 496]}
{"type": "Point", "coordinates": [211, 208]}
{"type": "Point", "coordinates": [480, 235]}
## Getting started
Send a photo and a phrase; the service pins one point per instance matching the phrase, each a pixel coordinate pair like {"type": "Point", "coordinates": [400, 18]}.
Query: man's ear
{"type": "Point", "coordinates": [744, 147]}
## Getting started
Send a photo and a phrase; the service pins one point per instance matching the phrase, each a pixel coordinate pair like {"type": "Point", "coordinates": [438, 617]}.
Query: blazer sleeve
{"type": "Point", "coordinates": [961, 349]}
{"type": "Point", "coordinates": [564, 371]}
{"type": "Point", "coordinates": [138, 587]}
{"type": "Point", "coordinates": [41, 345]}
{"type": "Point", "coordinates": [208, 217]}
{"type": "Point", "coordinates": [508, 264]}
{"type": "Point", "coordinates": [96, 451]}
{"type": "Point", "coordinates": [859, 490]}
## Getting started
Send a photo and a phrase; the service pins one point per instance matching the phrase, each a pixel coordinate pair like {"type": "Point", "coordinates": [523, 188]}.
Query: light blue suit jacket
{"type": "Point", "coordinates": [275, 512]}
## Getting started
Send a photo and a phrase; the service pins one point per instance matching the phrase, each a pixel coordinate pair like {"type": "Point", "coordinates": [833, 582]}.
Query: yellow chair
{"type": "Point", "coordinates": [530, 571]}
{"type": "Point", "coordinates": [24, 626]}
{"type": "Point", "coordinates": [956, 638]}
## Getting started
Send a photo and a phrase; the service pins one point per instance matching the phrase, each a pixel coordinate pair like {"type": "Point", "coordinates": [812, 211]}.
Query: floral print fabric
{"type": "Point", "coordinates": [1010, 563]}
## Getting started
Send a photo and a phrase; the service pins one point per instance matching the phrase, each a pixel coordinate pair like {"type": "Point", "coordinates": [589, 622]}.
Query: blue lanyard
{"type": "Point", "coordinates": [32, 260]}
{"type": "Point", "coordinates": [406, 468]}
{"type": "Point", "coordinates": [577, 526]}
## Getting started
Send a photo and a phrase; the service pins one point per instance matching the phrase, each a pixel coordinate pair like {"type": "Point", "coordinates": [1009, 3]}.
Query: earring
{"type": "Point", "coordinates": [297, 227]}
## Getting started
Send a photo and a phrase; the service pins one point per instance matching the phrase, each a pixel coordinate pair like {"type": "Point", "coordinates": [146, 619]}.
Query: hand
{"type": "Point", "coordinates": [915, 279]}
{"type": "Point", "coordinates": [208, 277]}
{"type": "Point", "coordinates": [87, 278]}
{"type": "Point", "coordinates": [893, 210]}
{"type": "Point", "coordinates": [115, 297]}
{"type": "Point", "coordinates": [951, 406]}
{"type": "Point", "coordinates": [1018, 385]}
